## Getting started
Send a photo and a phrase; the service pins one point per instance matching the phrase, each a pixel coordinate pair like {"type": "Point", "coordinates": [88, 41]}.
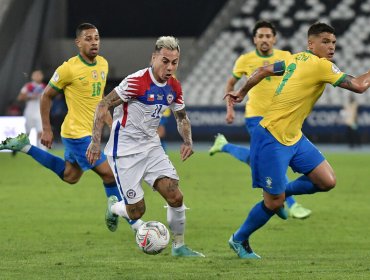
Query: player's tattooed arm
{"type": "Point", "coordinates": [109, 101]}
{"type": "Point", "coordinates": [184, 128]}
{"type": "Point", "coordinates": [93, 151]}
{"type": "Point", "coordinates": [357, 84]}
{"type": "Point", "coordinates": [108, 120]}
{"type": "Point", "coordinates": [347, 82]}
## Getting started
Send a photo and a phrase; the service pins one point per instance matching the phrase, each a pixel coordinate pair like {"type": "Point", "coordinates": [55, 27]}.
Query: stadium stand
{"type": "Point", "coordinates": [204, 84]}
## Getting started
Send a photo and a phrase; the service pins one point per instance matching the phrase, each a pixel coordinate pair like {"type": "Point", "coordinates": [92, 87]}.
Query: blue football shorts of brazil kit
{"type": "Point", "coordinates": [270, 160]}
{"type": "Point", "coordinates": [75, 152]}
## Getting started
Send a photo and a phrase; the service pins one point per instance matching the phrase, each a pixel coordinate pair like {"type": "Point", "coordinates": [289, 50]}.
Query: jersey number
{"type": "Point", "coordinates": [157, 110]}
{"type": "Point", "coordinates": [290, 70]}
{"type": "Point", "coordinates": [96, 88]}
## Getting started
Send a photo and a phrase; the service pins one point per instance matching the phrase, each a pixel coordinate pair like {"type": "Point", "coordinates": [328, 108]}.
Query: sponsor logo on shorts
{"type": "Point", "coordinates": [130, 193]}
{"type": "Point", "coordinates": [268, 182]}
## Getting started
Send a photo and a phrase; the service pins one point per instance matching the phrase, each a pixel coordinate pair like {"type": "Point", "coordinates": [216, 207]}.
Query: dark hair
{"type": "Point", "coordinates": [319, 27]}
{"type": "Point", "coordinates": [263, 23]}
{"type": "Point", "coordinates": [84, 26]}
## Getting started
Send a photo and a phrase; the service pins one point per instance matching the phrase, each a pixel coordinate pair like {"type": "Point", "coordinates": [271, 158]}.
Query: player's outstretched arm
{"type": "Point", "coordinates": [356, 84]}
{"type": "Point", "coordinates": [101, 111]}
{"type": "Point", "coordinates": [45, 105]}
{"type": "Point", "coordinates": [276, 69]}
{"type": "Point", "coordinates": [184, 128]}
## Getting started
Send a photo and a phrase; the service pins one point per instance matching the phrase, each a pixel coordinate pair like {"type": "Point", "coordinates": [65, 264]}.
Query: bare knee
{"type": "Point", "coordinates": [323, 177]}
{"type": "Point", "coordinates": [176, 200]}
{"type": "Point", "coordinates": [72, 173]}
{"type": "Point", "coordinates": [71, 178]}
{"type": "Point", "coordinates": [328, 184]}
{"type": "Point", "coordinates": [71, 181]}
{"type": "Point", "coordinates": [137, 210]}
{"type": "Point", "coordinates": [273, 202]}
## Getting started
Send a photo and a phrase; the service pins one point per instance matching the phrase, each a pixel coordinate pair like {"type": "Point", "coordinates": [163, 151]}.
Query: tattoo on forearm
{"type": "Point", "coordinates": [99, 118]}
{"type": "Point", "coordinates": [112, 99]}
{"type": "Point", "coordinates": [347, 82]}
{"type": "Point", "coordinates": [184, 126]}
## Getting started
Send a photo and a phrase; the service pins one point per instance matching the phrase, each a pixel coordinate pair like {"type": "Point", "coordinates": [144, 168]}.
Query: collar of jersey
{"type": "Point", "coordinates": [260, 55]}
{"type": "Point", "coordinates": [154, 80]}
{"type": "Point", "coordinates": [85, 62]}
{"type": "Point", "coordinates": [308, 51]}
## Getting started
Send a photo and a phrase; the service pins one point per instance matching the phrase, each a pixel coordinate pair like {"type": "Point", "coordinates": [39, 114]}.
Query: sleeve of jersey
{"type": "Point", "coordinates": [239, 68]}
{"type": "Point", "coordinates": [61, 77]}
{"type": "Point", "coordinates": [330, 73]}
{"type": "Point", "coordinates": [25, 88]}
{"type": "Point", "coordinates": [128, 89]}
{"type": "Point", "coordinates": [178, 103]}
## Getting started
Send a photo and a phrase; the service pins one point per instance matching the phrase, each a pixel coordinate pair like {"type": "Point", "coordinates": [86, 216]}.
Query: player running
{"type": "Point", "coordinates": [134, 149]}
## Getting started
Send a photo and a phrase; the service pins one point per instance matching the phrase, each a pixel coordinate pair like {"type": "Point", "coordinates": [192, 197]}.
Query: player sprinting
{"type": "Point", "coordinates": [82, 80]}
{"type": "Point", "coordinates": [259, 98]}
{"type": "Point", "coordinates": [278, 139]}
{"type": "Point", "coordinates": [134, 149]}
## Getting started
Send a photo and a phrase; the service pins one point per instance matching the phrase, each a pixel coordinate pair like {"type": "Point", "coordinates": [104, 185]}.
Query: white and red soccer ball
{"type": "Point", "coordinates": [152, 237]}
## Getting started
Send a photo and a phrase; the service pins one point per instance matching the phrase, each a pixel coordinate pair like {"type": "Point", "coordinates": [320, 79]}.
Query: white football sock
{"type": "Point", "coordinates": [26, 148]}
{"type": "Point", "coordinates": [176, 222]}
{"type": "Point", "coordinates": [137, 224]}
{"type": "Point", "coordinates": [119, 208]}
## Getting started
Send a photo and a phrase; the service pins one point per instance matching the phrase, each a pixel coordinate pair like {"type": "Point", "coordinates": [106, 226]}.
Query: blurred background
{"type": "Point", "coordinates": [39, 34]}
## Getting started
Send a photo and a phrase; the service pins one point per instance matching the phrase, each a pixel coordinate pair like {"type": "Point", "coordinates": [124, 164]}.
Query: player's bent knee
{"type": "Point", "coordinates": [175, 200]}
{"type": "Point", "coordinates": [273, 205]}
{"type": "Point", "coordinates": [328, 186]}
{"type": "Point", "coordinates": [72, 173]}
{"type": "Point", "coordinates": [71, 180]}
{"type": "Point", "coordinates": [273, 202]}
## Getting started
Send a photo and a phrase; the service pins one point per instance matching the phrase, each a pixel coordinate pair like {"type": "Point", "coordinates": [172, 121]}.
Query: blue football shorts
{"type": "Point", "coordinates": [270, 160]}
{"type": "Point", "coordinates": [251, 123]}
{"type": "Point", "coordinates": [75, 152]}
{"type": "Point", "coordinates": [163, 121]}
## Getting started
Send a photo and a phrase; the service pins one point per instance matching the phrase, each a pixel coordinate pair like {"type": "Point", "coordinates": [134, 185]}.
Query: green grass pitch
{"type": "Point", "coordinates": [52, 230]}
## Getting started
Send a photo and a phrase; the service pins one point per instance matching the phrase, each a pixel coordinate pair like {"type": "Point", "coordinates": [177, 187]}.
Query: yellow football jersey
{"type": "Point", "coordinates": [302, 85]}
{"type": "Point", "coordinates": [83, 86]}
{"type": "Point", "coordinates": [259, 97]}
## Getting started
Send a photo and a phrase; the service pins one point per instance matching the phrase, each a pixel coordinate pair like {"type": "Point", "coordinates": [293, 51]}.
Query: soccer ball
{"type": "Point", "coordinates": [152, 237]}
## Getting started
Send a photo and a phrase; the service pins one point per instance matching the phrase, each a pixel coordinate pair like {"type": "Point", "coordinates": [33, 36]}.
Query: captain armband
{"type": "Point", "coordinates": [279, 68]}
